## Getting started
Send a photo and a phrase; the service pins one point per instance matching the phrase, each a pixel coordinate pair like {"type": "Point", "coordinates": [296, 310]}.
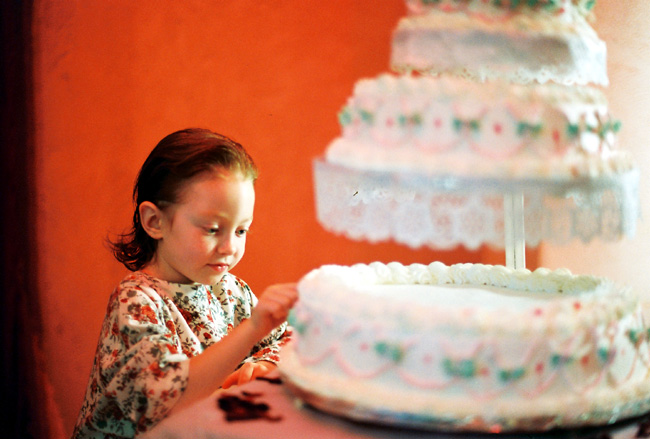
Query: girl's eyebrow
{"type": "Point", "coordinates": [212, 217]}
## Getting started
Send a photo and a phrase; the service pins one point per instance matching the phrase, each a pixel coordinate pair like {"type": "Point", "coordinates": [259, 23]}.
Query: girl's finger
{"type": "Point", "coordinates": [230, 380]}
{"type": "Point", "coordinates": [246, 373]}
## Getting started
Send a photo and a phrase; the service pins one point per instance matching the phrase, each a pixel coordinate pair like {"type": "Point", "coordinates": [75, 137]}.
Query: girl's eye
{"type": "Point", "coordinates": [242, 232]}
{"type": "Point", "coordinates": [212, 230]}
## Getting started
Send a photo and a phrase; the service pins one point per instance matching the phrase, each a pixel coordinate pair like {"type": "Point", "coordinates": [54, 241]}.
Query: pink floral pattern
{"type": "Point", "coordinates": [151, 329]}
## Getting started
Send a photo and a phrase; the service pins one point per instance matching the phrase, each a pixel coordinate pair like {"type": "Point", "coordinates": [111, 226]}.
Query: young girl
{"type": "Point", "coordinates": [178, 327]}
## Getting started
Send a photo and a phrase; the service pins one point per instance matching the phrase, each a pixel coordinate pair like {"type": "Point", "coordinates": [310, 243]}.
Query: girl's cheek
{"type": "Point", "coordinates": [208, 244]}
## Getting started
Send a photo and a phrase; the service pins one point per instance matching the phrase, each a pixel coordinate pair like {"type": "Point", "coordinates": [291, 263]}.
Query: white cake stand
{"type": "Point", "coordinates": [444, 211]}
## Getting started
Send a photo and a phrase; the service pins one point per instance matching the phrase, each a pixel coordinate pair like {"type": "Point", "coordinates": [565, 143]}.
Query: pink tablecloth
{"type": "Point", "coordinates": [284, 417]}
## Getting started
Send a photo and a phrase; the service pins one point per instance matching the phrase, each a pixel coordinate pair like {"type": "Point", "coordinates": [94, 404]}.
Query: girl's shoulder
{"type": "Point", "coordinates": [140, 280]}
{"type": "Point", "coordinates": [139, 283]}
{"type": "Point", "coordinates": [136, 292]}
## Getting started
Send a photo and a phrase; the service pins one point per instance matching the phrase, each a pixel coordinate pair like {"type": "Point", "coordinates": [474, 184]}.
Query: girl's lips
{"type": "Point", "coordinates": [219, 267]}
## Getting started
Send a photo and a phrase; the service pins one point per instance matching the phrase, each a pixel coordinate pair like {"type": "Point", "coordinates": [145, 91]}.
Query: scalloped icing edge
{"type": "Point", "coordinates": [604, 407]}
{"type": "Point", "coordinates": [589, 299]}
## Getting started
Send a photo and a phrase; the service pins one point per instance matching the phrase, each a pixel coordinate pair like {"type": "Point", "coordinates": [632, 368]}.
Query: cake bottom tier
{"type": "Point", "coordinates": [469, 347]}
{"type": "Point", "coordinates": [366, 401]}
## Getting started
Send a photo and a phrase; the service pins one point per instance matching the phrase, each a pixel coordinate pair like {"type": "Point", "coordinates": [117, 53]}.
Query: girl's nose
{"type": "Point", "coordinates": [226, 246]}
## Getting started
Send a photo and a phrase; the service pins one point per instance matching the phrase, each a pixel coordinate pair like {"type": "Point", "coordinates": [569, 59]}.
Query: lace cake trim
{"type": "Point", "coordinates": [444, 212]}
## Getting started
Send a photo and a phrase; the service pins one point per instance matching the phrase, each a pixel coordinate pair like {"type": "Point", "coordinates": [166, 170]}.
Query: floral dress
{"type": "Point", "coordinates": [151, 329]}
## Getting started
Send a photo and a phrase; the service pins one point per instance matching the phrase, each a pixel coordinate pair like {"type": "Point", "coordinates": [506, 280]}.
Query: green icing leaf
{"type": "Point", "coordinates": [572, 130]}
{"type": "Point", "coordinates": [460, 368]}
{"type": "Point", "coordinates": [366, 116]}
{"type": "Point", "coordinates": [524, 128]}
{"type": "Point", "coordinates": [458, 124]}
{"type": "Point", "coordinates": [513, 5]}
{"type": "Point", "coordinates": [604, 355]}
{"type": "Point", "coordinates": [613, 126]}
{"type": "Point", "coordinates": [299, 326]}
{"type": "Point", "coordinates": [512, 374]}
{"type": "Point", "coordinates": [634, 336]}
{"type": "Point", "coordinates": [536, 129]}
{"type": "Point", "coordinates": [521, 128]}
{"type": "Point", "coordinates": [416, 119]}
{"type": "Point", "coordinates": [558, 360]}
{"type": "Point", "coordinates": [345, 118]}
{"type": "Point", "coordinates": [388, 350]}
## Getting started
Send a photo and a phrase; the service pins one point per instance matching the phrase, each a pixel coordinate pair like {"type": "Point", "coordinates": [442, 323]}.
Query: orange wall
{"type": "Point", "coordinates": [627, 34]}
{"type": "Point", "coordinates": [113, 77]}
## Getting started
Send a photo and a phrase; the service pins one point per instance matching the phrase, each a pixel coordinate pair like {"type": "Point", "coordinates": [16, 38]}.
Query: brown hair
{"type": "Point", "coordinates": [176, 159]}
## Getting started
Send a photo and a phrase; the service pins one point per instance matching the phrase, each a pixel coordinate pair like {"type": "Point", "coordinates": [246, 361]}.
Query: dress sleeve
{"type": "Point", "coordinates": [268, 349]}
{"type": "Point", "coordinates": [140, 368]}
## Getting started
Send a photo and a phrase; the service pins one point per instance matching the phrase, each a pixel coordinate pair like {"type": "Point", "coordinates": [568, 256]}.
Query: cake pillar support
{"type": "Point", "coordinates": [515, 241]}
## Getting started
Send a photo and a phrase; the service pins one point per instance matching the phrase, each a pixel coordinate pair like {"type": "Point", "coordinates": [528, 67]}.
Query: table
{"type": "Point", "coordinates": [282, 416]}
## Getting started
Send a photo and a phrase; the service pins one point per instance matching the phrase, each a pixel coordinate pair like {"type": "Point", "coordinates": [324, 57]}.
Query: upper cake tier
{"type": "Point", "coordinates": [422, 160]}
{"type": "Point", "coordinates": [432, 157]}
{"type": "Point", "coordinates": [521, 41]}
{"type": "Point", "coordinates": [450, 126]}
{"type": "Point", "coordinates": [502, 8]}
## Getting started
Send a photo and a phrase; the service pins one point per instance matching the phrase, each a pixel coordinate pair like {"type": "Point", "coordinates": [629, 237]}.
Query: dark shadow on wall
{"type": "Point", "coordinates": [22, 409]}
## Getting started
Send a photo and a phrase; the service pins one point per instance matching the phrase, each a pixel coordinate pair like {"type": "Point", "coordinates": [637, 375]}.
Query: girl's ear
{"type": "Point", "coordinates": [151, 219]}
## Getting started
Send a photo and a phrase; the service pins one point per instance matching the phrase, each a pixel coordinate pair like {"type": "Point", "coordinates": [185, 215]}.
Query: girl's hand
{"type": "Point", "coordinates": [273, 307]}
{"type": "Point", "coordinates": [248, 372]}
{"type": "Point", "coordinates": [213, 368]}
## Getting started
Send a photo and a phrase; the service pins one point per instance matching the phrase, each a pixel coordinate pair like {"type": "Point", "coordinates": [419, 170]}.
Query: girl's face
{"type": "Point", "coordinates": [203, 235]}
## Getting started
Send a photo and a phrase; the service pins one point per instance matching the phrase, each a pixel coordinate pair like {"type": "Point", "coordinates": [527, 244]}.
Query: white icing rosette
{"type": "Point", "coordinates": [436, 131]}
{"type": "Point", "coordinates": [500, 138]}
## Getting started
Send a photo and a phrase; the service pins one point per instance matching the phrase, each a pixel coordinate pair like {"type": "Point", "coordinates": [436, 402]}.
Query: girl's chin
{"type": "Point", "coordinates": [213, 279]}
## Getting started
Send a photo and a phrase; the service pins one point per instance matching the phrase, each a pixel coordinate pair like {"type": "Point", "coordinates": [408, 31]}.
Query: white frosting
{"type": "Point", "coordinates": [429, 339]}
{"type": "Point", "coordinates": [555, 292]}
{"type": "Point", "coordinates": [523, 47]}
{"type": "Point", "coordinates": [455, 296]}
{"type": "Point", "coordinates": [473, 345]}
{"type": "Point", "coordinates": [454, 126]}
{"type": "Point", "coordinates": [565, 10]}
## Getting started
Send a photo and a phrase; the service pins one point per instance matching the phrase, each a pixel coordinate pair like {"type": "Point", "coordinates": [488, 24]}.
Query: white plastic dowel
{"type": "Point", "coordinates": [515, 241]}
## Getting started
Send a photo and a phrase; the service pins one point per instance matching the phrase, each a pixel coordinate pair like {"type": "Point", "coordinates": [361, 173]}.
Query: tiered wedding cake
{"type": "Point", "coordinates": [492, 100]}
